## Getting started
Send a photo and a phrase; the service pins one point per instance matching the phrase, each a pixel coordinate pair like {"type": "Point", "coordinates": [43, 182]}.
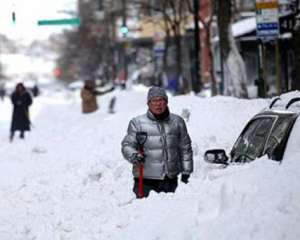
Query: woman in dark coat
{"type": "Point", "coordinates": [21, 101]}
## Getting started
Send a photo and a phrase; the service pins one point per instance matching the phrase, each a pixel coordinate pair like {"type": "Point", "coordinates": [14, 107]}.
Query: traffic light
{"type": "Point", "coordinates": [13, 17]}
{"type": "Point", "coordinates": [124, 30]}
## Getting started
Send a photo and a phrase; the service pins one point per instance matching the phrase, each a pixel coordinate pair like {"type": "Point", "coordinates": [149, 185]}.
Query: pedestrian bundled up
{"type": "Point", "coordinates": [158, 146]}
{"type": "Point", "coordinates": [89, 97]}
{"type": "Point", "coordinates": [21, 100]}
{"type": "Point", "coordinates": [35, 90]}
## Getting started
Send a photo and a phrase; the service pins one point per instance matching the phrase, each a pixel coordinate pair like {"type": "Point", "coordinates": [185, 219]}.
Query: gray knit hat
{"type": "Point", "coordinates": [157, 92]}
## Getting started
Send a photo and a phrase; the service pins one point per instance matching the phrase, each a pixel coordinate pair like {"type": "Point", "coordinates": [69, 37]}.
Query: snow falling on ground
{"type": "Point", "coordinates": [68, 181]}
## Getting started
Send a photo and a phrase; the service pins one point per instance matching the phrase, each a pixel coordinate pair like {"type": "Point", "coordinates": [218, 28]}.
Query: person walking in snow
{"type": "Point", "coordinates": [21, 100]}
{"type": "Point", "coordinates": [88, 95]}
{"type": "Point", "coordinates": [167, 150]}
{"type": "Point", "coordinates": [35, 90]}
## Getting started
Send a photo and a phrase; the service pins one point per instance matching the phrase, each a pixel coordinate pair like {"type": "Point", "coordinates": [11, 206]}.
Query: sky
{"type": "Point", "coordinates": [28, 12]}
{"type": "Point", "coordinates": [68, 180]}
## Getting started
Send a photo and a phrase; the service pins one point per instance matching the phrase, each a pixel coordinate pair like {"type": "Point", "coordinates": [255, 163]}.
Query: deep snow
{"type": "Point", "coordinates": [68, 181]}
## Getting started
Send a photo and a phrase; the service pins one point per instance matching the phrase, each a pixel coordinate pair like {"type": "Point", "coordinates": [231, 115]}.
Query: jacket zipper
{"type": "Point", "coordinates": [164, 142]}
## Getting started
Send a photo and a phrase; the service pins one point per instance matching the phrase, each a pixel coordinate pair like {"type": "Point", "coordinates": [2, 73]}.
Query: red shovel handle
{"type": "Point", "coordinates": [141, 138]}
{"type": "Point", "coordinates": [141, 184]}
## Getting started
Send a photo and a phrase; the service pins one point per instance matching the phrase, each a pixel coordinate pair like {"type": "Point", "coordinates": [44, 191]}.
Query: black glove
{"type": "Point", "coordinates": [95, 92]}
{"type": "Point", "coordinates": [137, 158]}
{"type": "Point", "coordinates": [185, 178]}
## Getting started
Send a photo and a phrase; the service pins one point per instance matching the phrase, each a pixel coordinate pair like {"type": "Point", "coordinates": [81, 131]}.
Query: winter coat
{"type": "Point", "coordinates": [167, 149]}
{"type": "Point", "coordinates": [20, 117]}
{"type": "Point", "coordinates": [89, 101]}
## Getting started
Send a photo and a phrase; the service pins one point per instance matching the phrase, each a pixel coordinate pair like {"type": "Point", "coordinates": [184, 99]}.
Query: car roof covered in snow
{"type": "Point", "coordinates": [285, 103]}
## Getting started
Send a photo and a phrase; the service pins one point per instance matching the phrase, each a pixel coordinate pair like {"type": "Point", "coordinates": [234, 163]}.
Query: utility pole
{"type": "Point", "coordinates": [222, 83]}
{"type": "Point", "coordinates": [124, 26]}
{"type": "Point", "coordinates": [278, 66]}
{"type": "Point", "coordinates": [262, 70]}
{"type": "Point", "coordinates": [197, 81]}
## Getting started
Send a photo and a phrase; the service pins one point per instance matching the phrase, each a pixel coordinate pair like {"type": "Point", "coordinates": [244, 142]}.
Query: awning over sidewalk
{"type": "Point", "coordinates": [244, 26]}
{"type": "Point", "coordinates": [241, 28]}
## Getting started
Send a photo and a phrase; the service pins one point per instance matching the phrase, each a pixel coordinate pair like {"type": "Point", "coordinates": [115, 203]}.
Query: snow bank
{"type": "Point", "coordinates": [68, 180]}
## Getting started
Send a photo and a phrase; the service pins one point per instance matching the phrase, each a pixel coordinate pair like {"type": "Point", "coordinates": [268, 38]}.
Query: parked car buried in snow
{"type": "Point", "coordinates": [267, 133]}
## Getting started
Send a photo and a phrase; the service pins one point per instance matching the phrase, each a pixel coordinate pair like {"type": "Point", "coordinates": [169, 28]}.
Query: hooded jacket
{"type": "Point", "coordinates": [167, 149]}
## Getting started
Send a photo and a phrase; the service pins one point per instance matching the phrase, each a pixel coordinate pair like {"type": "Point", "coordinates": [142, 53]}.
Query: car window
{"type": "Point", "coordinates": [279, 136]}
{"type": "Point", "coordinates": [251, 143]}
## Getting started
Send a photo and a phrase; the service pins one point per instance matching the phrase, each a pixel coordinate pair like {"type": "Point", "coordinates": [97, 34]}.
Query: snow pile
{"type": "Point", "coordinates": [283, 103]}
{"type": "Point", "coordinates": [68, 180]}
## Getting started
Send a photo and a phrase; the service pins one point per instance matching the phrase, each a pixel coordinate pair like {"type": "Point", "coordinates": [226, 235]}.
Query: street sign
{"type": "Point", "coordinates": [288, 11]}
{"type": "Point", "coordinates": [267, 25]}
{"type": "Point", "coordinates": [66, 21]}
{"type": "Point", "coordinates": [159, 49]}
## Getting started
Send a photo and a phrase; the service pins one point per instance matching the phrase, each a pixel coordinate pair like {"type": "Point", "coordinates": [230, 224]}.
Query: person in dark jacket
{"type": "Point", "coordinates": [167, 150]}
{"type": "Point", "coordinates": [21, 100]}
{"type": "Point", "coordinates": [35, 90]}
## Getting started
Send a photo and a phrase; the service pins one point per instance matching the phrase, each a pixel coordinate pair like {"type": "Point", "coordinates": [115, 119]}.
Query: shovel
{"type": "Point", "coordinates": [141, 138]}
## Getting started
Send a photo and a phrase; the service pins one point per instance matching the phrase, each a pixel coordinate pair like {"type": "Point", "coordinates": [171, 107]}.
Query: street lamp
{"type": "Point", "coordinates": [124, 30]}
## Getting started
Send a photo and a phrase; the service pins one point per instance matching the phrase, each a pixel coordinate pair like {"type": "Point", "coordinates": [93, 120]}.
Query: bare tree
{"type": "Point", "coordinates": [233, 61]}
{"type": "Point", "coordinates": [68, 56]}
{"type": "Point", "coordinates": [174, 14]}
{"type": "Point", "coordinates": [206, 23]}
{"type": "Point", "coordinates": [296, 46]}
{"type": "Point", "coordinates": [87, 47]}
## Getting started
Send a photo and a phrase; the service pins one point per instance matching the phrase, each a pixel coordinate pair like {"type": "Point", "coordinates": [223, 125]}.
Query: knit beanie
{"type": "Point", "coordinates": [157, 92]}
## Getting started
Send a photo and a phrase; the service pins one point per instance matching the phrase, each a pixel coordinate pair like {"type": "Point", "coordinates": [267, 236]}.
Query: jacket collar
{"type": "Point", "coordinates": [165, 116]}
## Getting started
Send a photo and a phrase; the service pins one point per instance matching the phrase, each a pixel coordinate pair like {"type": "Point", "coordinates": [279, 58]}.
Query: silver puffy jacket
{"type": "Point", "coordinates": [167, 149]}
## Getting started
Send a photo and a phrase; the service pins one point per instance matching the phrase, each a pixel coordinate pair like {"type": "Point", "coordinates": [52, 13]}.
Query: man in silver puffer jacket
{"type": "Point", "coordinates": [167, 150]}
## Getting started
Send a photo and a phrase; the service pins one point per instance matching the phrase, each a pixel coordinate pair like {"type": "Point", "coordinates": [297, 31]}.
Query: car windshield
{"type": "Point", "coordinates": [251, 143]}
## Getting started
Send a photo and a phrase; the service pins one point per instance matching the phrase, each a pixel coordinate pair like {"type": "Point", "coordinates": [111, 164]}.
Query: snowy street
{"type": "Point", "coordinates": [150, 120]}
{"type": "Point", "coordinates": [68, 180]}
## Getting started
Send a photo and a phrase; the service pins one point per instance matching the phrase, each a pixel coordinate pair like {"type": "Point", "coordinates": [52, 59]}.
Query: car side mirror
{"type": "Point", "coordinates": [216, 156]}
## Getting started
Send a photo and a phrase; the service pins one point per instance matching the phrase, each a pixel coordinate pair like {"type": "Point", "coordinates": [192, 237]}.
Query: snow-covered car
{"type": "Point", "coordinates": [272, 132]}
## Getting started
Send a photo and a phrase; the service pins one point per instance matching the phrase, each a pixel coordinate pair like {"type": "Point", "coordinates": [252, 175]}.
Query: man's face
{"type": "Point", "coordinates": [157, 105]}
